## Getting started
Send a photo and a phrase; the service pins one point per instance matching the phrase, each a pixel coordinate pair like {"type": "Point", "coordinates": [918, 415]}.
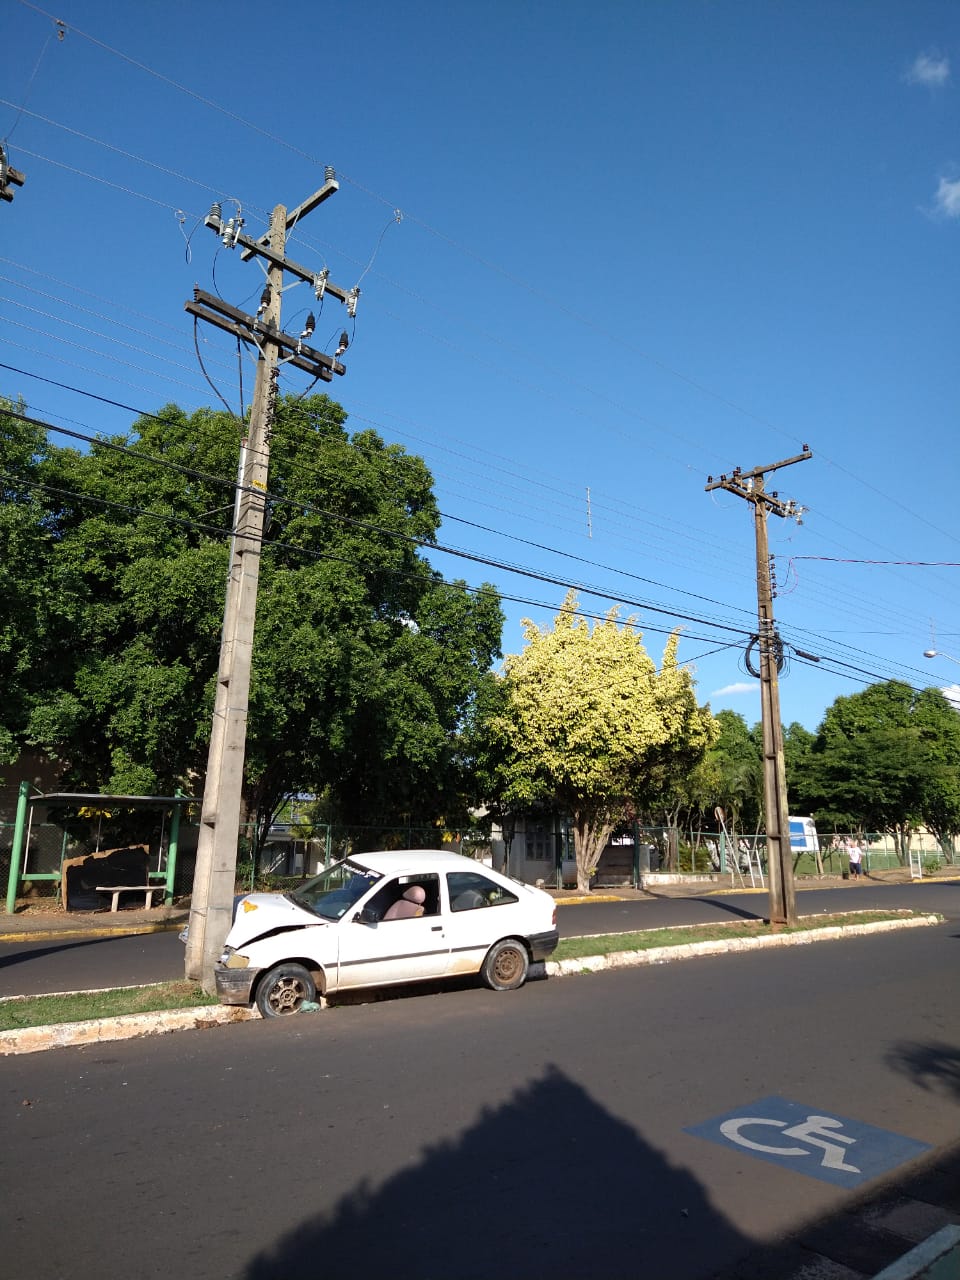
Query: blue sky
{"type": "Point", "coordinates": [638, 244]}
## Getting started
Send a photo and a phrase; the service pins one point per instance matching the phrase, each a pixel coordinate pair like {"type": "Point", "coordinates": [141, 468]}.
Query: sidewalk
{"type": "Point", "coordinates": [42, 920]}
{"type": "Point", "coordinates": [42, 923]}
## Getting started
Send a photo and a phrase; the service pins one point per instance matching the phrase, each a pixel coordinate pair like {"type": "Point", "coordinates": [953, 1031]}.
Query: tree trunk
{"type": "Point", "coordinates": [673, 849]}
{"type": "Point", "coordinates": [902, 842]}
{"type": "Point", "coordinates": [590, 836]}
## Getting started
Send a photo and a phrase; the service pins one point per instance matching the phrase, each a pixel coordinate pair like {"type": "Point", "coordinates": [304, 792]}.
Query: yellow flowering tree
{"type": "Point", "coordinates": [587, 724]}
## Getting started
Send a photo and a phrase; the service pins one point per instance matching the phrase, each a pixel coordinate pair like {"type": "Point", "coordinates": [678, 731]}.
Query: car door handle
{"type": "Point", "coordinates": [436, 928]}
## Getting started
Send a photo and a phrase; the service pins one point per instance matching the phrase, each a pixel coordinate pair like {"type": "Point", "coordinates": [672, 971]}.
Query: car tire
{"type": "Point", "coordinates": [285, 989]}
{"type": "Point", "coordinates": [506, 965]}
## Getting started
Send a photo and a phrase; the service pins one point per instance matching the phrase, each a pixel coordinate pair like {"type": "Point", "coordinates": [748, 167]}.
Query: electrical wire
{"type": "Point", "coordinates": [817, 638]}
{"type": "Point", "coordinates": [22, 109]}
{"type": "Point", "coordinates": [429, 544]}
{"type": "Point", "coordinates": [803, 632]}
{"type": "Point", "coordinates": [868, 676]}
{"type": "Point", "coordinates": [203, 370]}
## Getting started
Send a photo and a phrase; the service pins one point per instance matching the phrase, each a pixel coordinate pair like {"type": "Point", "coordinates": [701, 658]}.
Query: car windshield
{"type": "Point", "coordinates": [334, 891]}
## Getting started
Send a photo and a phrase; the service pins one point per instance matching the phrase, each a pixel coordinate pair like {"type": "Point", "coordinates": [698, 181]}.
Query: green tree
{"type": "Point", "coordinates": [587, 723]}
{"type": "Point", "coordinates": [737, 763]}
{"type": "Point", "coordinates": [364, 658]}
{"type": "Point", "coordinates": [798, 744]}
{"type": "Point", "coordinates": [938, 722]}
{"type": "Point", "coordinates": [24, 547]}
{"type": "Point", "coordinates": [886, 759]}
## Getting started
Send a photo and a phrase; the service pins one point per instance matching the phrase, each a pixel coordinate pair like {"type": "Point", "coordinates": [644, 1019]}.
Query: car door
{"type": "Point", "coordinates": [481, 911]}
{"type": "Point", "coordinates": [377, 952]}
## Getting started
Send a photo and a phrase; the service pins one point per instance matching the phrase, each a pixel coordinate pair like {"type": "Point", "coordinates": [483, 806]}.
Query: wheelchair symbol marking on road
{"type": "Point", "coordinates": [828, 1147]}
{"type": "Point", "coordinates": [810, 1130]}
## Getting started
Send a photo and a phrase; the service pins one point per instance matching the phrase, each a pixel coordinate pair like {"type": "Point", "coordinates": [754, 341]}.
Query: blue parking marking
{"type": "Point", "coordinates": [811, 1141]}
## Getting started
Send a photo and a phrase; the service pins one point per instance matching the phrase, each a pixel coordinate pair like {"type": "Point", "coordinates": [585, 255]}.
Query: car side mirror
{"type": "Point", "coordinates": [366, 916]}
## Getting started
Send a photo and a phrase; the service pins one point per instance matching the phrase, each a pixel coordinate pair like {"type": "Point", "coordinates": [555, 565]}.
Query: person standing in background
{"type": "Point", "coordinates": [855, 854]}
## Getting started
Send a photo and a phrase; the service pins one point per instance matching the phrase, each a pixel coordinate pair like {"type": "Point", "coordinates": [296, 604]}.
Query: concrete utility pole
{"type": "Point", "coordinates": [750, 485]}
{"type": "Point", "coordinates": [215, 875]}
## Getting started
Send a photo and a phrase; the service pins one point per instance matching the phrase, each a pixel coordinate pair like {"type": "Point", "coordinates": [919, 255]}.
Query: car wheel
{"type": "Point", "coordinates": [284, 989]}
{"type": "Point", "coordinates": [506, 965]}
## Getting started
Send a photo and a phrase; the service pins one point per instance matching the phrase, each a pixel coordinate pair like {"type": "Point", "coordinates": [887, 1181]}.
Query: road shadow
{"type": "Point", "coordinates": [47, 949]}
{"type": "Point", "coordinates": [551, 1186]}
{"type": "Point", "coordinates": [730, 908]}
{"type": "Point", "coordinates": [548, 1185]}
{"type": "Point", "coordinates": [933, 1066]}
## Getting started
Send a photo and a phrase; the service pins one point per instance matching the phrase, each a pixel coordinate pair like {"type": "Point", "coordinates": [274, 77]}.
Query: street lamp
{"type": "Point", "coordinates": [935, 653]}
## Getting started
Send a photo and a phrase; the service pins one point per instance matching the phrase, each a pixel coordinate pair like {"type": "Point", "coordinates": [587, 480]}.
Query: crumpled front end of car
{"type": "Point", "coordinates": [234, 984]}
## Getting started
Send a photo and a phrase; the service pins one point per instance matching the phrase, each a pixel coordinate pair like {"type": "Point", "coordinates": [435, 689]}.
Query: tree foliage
{"type": "Point", "coordinates": [364, 658]}
{"type": "Point", "coordinates": [585, 723]}
{"type": "Point", "coordinates": [24, 546]}
{"type": "Point", "coordinates": [887, 759]}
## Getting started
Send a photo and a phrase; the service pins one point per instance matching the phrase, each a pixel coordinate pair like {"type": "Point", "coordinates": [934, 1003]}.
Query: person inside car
{"type": "Point", "coordinates": [410, 903]}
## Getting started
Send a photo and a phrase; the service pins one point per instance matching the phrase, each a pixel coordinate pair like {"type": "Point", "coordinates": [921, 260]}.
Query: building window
{"type": "Point", "coordinates": [539, 844]}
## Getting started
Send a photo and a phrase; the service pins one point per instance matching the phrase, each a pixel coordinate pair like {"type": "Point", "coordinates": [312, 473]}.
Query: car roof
{"type": "Point", "coordinates": [391, 861]}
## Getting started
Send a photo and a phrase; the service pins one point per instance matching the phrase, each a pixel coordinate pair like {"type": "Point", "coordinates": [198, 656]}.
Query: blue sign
{"type": "Point", "coordinates": [822, 1145]}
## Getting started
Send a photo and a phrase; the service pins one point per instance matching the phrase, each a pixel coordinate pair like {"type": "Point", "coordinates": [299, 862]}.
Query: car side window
{"type": "Point", "coordinates": [469, 890]}
{"type": "Point", "coordinates": [424, 900]}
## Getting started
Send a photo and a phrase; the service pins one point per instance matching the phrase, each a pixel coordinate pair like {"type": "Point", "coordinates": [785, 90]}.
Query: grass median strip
{"type": "Point", "coordinates": [18, 1013]}
{"type": "Point", "coordinates": [607, 943]}
{"type": "Point", "coordinates": [42, 1011]}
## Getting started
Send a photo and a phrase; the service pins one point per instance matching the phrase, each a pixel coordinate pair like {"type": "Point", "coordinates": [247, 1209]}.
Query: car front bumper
{"type": "Point", "coordinates": [234, 985]}
{"type": "Point", "coordinates": [543, 945]}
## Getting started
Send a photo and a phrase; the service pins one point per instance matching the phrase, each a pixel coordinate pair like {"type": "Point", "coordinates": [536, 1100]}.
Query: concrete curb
{"type": "Point", "coordinates": [578, 899]}
{"type": "Point", "coordinates": [719, 946]}
{"type": "Point", "coordinates": [101, 1030]}
{"type": "Point", "coordinates": [936, 1258]}
{"type": "Point", "coordinates": [78, 935]}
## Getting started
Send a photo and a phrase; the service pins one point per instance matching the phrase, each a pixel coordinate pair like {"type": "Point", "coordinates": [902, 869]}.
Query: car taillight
{"type": "Point", "coordinates": [554, 919]}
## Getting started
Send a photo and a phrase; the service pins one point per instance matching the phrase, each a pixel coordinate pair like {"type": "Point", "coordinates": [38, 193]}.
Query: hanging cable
{"type": "Point", "coordinates": [215, 389]}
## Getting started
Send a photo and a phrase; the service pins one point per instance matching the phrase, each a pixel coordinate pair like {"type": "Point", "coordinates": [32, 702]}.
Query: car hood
{"type": "Point", "coordinates": [260, 913]}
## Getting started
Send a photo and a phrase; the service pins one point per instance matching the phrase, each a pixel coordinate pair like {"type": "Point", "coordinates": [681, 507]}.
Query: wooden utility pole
{"type": "Point", "coordinates": [211, 907]}
{"type": "Point", "coordinates": [750, 485]}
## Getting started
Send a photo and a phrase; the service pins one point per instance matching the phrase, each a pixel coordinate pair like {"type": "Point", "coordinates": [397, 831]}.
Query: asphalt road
{"type": "Point", "coordinates": [85, 964]}
{"type": "Point", "coordinates": [468, 1135]}
{"type": "Point", "coordinates": [38, 968]}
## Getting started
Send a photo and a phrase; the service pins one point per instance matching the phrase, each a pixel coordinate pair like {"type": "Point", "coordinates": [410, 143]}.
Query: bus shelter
{"type": "Point", "coordinates": [23, 823]}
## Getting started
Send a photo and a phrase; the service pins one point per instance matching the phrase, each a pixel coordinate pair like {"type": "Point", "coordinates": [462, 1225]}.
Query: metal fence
{"type": "Point", "coordinates": [284, 855]}
{"type": "Point", "coordinates": [288, 855]}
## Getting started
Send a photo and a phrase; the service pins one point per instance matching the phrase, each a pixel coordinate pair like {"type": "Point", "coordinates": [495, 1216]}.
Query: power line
{"type": "Point", "coordinates": [816, 638]}
{"type": "Point", "coordinates": [427, 544]}
{"type": "Point", "coordinates": [432, 579]}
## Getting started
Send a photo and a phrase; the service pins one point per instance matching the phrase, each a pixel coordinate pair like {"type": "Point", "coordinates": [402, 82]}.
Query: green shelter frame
{"type": "Point", "coordinates": [79, 800]}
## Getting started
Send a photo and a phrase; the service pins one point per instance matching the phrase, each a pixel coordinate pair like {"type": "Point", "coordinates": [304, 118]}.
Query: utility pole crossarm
{"type": "Point", "coordinates": [749, 485]}
{"type": "Point", "coordinates": [264, 249]}
{"type": "Point", "coordinates": [250, 330]}
{"type": "Point", "coordinates": [329, 188]}
{"type": "Point", "coordinates": [775, 466]}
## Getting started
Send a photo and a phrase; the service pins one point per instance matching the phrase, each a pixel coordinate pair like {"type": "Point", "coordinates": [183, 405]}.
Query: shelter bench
{"type": "Point", "coordinates": [116, 889]}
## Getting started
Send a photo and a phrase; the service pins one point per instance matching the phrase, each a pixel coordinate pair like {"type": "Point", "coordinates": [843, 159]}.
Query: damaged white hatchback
{"type": "Point", "coordinates": [377, 919]}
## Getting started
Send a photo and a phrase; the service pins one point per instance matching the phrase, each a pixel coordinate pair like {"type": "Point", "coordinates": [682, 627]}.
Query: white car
{"type": "Point", "coordinates": [376, 919]}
